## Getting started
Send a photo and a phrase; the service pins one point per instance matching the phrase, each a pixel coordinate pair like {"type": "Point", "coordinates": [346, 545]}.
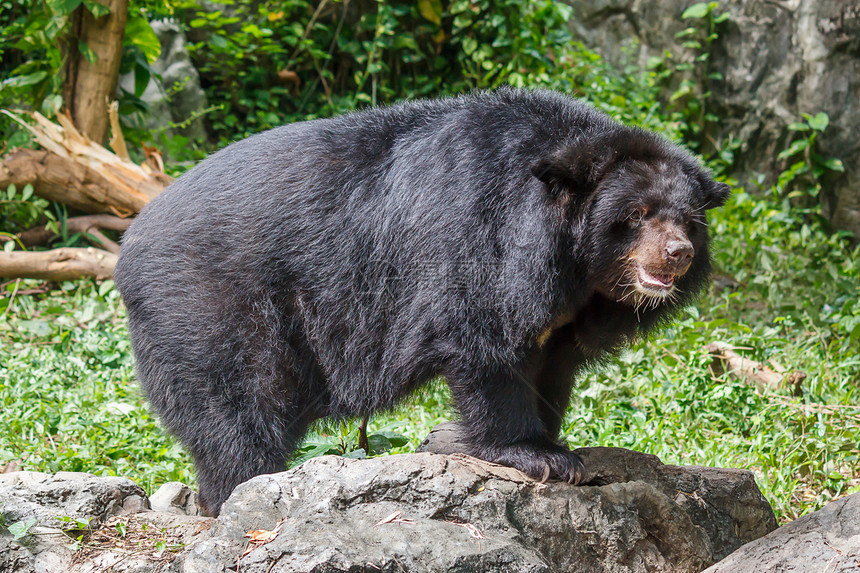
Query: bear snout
{"type": "Point", "coordinates": [679, 255]}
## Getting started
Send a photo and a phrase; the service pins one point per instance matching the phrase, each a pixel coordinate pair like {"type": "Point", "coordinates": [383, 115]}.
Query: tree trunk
{"type": "Point", "coordinates": [90, 86]}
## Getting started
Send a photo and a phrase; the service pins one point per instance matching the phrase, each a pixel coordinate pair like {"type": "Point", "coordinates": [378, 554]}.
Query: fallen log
{"type": "Point", "coordinates": [73, 170]}
{"type": "Point", "coordinates": [63, 180]}
{"type": "Point", "coordinates": [58, 264]}
{"type": "Point", "coordinates": [751, 370]}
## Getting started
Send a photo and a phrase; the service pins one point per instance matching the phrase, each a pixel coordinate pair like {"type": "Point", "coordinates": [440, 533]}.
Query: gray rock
{"type": "Point", "coordinates": [177, 97]}
{"type": "Point", "coordinates": [25, 495]}
{"type": "Point", "coordinates": [174, 497]}
{"type": "Point", "coordinates": [426, 512]}
{"type": "Point", "coordinates": [52, 504]}
{"type": "Point", "coordinates": [827, 540]}
{"type": "Point", "coordinates": [717, 500]}
{"type": "Point", "coordinates": [406, 513]}
{"type": "Point", "coordinates": [778, 60]}
{"type": "Point", "coordinates": [444, 438]}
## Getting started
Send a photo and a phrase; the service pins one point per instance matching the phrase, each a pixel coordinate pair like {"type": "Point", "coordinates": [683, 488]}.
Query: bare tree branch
{"type": "Point", "coordinates": [58, 264]}
{"type": "Point", "coordinates": [91, 224]}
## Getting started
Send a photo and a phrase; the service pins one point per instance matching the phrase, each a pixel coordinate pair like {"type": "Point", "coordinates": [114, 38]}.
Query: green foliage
{"type": "Point", "coordinates": [21, 529]}
{"type": "Point", "coordinates": [787, 289]}
{"type": "Point", "coordinates": [66, 397]}
{"type": "Point", "coordinates": [34, 46]}
{"type": "Point", "coordinates": [686, 78]}
{"type": "Point", "coordinates": [801, 180]}
{"type": "Point", "coordinates": [343, 441]}
{"type": "Point", "coordinates": [19, 209]}
{"type": "Point", "coordinates": [273, 62]}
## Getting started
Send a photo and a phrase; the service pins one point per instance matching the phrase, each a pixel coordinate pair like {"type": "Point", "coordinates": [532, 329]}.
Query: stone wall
{"type": "Point", "coordinates": [779, 59]}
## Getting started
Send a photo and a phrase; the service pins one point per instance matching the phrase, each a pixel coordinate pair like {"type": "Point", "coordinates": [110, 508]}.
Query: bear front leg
{"type": "Point", "coordinates": [564, 359]}
{"type": "Point", "coordinates": [502, 422]}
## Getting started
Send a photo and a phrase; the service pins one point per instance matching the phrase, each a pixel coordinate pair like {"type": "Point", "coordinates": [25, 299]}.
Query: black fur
{"type": "Point", "coordinates": [329, 268]}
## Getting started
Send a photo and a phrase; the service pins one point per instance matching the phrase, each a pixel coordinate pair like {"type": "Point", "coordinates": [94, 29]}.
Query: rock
{"type": "Point", "coordinates": [178, 96]}
{"type": "Point", "coordinates": [427, 512]}
{"type": "Point", "coordinates": [717, 500]}
{"type": "Point", "coordinates": [177, 498]}
{"type": "Point", "coordinates": [827, 540]}
{"type": "Point", "coordinates": [399, 514]}
{"type": "Point", "coordinates": [444, 438]}
{"type": "Point", "coordinates": [778, 60]}
{"type": "Point", "coordinates": [56, 506]}
{"type": "Point", "coordinates": [25, 495]}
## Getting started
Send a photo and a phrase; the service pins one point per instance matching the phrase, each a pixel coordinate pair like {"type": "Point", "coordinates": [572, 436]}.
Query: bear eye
{"type": "Point", "coordinates": [635, 218]}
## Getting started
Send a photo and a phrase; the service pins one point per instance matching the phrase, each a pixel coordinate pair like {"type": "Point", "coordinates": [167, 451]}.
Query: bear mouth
{"type": "Point", "coordinates": [654, 284]}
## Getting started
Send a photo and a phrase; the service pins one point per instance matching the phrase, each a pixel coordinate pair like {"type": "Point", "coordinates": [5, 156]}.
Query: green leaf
{"type": "Point", "coordinates": [87, 52]}
{"type": "Point", "coordinates": [462, 21]}
{"type": "Point", "coordinates": [684, 90]}
{"type": "Point", "coordinates": [141, 80]}
{"type": "Point", "coordinates": [139, 32]}
{"type": "Point", "coordinates": [819, 122]}
{"type": "Point", "coordinates": [218, 41]}
{"type": "Point", "coordinates": [469, 45]}
{"type": "Point", "coordinates": [431, 10]}
{"type": "Point", "coordinates": [699, 10]}
{"type": "Point", "coordinates": [795, 147]}
{"type": "Point", "coordinates": [105, 287]}
{"type": "Point", "coordinates": [98, 10]}
{"type": "Point", "coordinates": [54, 27]}
{"type": "Point", "coordinates": [63, 7]}
{"type": "Point", "coordinates": [835, 165]}
{"type": "Point", "coordinates": [27, 192]}
{"type": "Point", "coordinates": [21, 528]}
{"type": "Point", "coordinates": [653, 62]}
{"type": "Point", "coordinates": [378, 444]}
{"type": "Point", "coordinates": [51, 105]}
{"type": "Point", "coordinates": [26, 80]}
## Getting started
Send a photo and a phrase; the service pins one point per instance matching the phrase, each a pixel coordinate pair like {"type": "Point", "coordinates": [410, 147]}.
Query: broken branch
{"type": "Point", "coordinates": [91, 224]}
{"type": "Point", "coordinates": [751, 370]}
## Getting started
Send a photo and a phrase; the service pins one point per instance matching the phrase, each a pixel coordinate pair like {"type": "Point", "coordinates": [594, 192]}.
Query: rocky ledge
{"type": "Point", "coordinates": [403, 513]}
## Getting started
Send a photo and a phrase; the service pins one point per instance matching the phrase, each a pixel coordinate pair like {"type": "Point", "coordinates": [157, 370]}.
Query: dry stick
{"type": "Point", "coordinates": [362, 435]}
{"type": "Point", "coordinates": [751, 370]}
{"type": "Point", "coordinates": [58, 264]}
{"type": "Point", "coordinates": [102, 240]}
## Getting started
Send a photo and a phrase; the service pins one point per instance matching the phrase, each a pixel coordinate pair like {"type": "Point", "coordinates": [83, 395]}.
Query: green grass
{"type": "Point", "coordinates": [68, 398]}
{"type": "Point", "coordinates": [70, 402]}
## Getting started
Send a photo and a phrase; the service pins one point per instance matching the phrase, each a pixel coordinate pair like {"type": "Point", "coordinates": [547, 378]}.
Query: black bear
{"type": "Point", "coordinates": [502, 240]}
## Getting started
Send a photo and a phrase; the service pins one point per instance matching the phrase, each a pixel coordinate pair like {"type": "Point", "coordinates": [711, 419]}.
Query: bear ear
{"type": "Point", "coordinates": [572, 171]}
{"type": "Point", "coordinates": [716, 194]}
{"type": "Point", "coordinates": [557, 177]}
